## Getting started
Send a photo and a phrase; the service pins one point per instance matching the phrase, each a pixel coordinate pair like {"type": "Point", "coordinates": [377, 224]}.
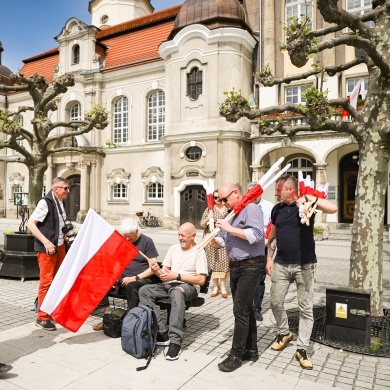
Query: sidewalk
{"type": "Point", "coordinates": [88, 359]}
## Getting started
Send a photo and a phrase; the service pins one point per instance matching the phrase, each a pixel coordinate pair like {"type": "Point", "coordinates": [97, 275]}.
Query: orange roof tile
{"type": "Point", "coordinates": [42, 64]}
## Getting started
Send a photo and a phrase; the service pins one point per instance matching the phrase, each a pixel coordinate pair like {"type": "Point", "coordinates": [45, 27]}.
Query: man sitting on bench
{"type": "Point", "coordinates": [184, 271]}
{"type": "Point", "coordinates": [138, 272]}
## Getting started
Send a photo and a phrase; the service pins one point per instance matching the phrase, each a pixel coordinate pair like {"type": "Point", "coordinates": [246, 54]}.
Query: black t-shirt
{"type": "Point", "coordinates": [294, 240]}
{"type": "Point", "coordinates": [140, 264]}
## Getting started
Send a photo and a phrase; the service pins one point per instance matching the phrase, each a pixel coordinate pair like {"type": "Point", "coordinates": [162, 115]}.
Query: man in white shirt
{"type": "Point", "coordinates": [184, 271]}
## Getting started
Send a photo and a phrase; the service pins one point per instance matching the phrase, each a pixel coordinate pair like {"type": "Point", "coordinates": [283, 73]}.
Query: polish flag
{"type": "Point", "coordinates": [306, 187]}
{"type": "Point", "coordinates": [209, 187]}
{"type": "Point", "coordinates": [95, 261]}
{"type": "Point", "coordinates": [354, 96]}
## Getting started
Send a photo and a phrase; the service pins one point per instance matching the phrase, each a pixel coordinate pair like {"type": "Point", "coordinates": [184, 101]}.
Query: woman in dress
{"type": "Point", "coordinates": [217, 258]}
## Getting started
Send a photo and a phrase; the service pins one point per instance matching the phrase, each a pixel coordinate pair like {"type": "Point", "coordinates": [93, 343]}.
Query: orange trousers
{"type": "Point", "coordinates": [48, 267]}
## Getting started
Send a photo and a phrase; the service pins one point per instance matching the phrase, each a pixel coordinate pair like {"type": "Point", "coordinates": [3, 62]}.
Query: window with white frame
{"type": "Point", "coordinates": [120, 122]}
{"type": "Point", "coordinates": [16, 189]}
{"type": "Point", "coordinates": [119, 192]}
{"type": "Point", "coordinates": [76, 54]}
{"type": "Point", "coordinates": [156, 115]}
{"type": "Point", "coordinates": [155, 191]}
{"type": "Point", "coordinates": [300, 9]}
{"type": "Point", "coordinates": [75, 112]}
{"type": "Point", "coordinates": [360, 7]}
{"type": "Point", "coordinates": [301, 164]}
{"type": "Point", "coordinates": [351, 84]}
{"type": "Point", "coordinates": [293, 94]}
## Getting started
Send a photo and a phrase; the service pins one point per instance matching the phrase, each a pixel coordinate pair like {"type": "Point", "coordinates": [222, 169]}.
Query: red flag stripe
{"type": "Point", "coordinates": [249, 197]}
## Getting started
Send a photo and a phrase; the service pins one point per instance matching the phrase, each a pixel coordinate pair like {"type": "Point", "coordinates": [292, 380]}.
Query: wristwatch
{"type": "Point", "coordinates": [178, 277]}
{"type": "Point", "coordinates": [137, 278]}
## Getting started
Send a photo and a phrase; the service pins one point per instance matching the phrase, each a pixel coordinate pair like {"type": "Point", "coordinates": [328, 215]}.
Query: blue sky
{"type": "Point", "coordinates": [28, 27]}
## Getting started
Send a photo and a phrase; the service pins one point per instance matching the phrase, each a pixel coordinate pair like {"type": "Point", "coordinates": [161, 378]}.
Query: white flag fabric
{"type": "Point", "coordinates": [354, 96]}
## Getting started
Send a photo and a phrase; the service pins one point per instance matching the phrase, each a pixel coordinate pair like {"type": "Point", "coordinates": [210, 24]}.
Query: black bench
{"type": "Point", "coordinates": [165, 304]}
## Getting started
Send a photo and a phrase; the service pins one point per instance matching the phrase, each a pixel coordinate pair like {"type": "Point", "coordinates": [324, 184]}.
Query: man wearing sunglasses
{"type": "Point", "coordinates": [46, 224]}
{"type": "Point", "coordinates": [243, 239]}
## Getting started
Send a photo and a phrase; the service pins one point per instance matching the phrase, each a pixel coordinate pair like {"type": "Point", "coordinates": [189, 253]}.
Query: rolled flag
{"type": "Point", "coordinates": [95, 261]}
{"type": "Point", "coordinates": [306, 187]}
{"type": "Point", "coordinates": [209, 187]}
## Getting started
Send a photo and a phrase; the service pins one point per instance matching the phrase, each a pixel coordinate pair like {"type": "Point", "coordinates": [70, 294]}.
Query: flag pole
{"type": "Point", "coordinates": [150, 262]}
{"type": "Point", "coordinates": [264, 182]}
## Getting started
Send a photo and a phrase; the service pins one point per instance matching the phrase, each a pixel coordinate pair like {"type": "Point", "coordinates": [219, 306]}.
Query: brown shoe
{"type": "Point", "coordinates": [304, 360]}
{"type": "Point", "coordinates": [98, 326]}
{"type": "Point", "coordinates": [281, 341]}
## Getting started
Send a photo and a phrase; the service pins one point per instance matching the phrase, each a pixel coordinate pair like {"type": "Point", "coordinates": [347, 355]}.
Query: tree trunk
{"type": "Point", "coordinates": [35, 185]}
{"type": "Point", "coordinates": [367, 232]}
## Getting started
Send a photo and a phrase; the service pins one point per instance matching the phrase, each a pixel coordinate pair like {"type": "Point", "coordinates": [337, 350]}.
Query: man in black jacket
{"type": "Point", "coordinates": [47, 224]}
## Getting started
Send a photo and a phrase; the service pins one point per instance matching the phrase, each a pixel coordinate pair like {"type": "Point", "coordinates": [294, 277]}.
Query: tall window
{"type": "Point", "coordinates": [351, 83]}
{"type": "Point", "coordinates": [119, 192]}
{"type": "Point", "coordinates": [75, 112]}
{"type": "Point", "coordinates": [18, 119]}
{"type": "Point", "coordinates": [301, 164]}
{"type": "Point", "coordinates": [155, 191]}
{"type": "Point", "coordinates": [294, 94]}
{"type": "Point", "coordinates": [156, 115]}
{"type": "Point", "coordinates": [76, 54]}
{"type": "Point", "coordinates": [121, 113]}
{"type": "Point", "coordinates": [194, 83]}
{"type": "Point", "coordinates": [360, 7]}
{"type": "Point", "coordinates": [300, 9]}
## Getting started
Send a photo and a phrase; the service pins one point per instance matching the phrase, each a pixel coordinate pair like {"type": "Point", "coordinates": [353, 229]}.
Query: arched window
{"type": "Point", "coordinates": [301, 164]}
{"type": "Point", "coordinates": [155, 191]}
{"type": "Point", "coordinates": [194, 83]}
{"type": "Point", "coordinates": [76, 54]}
{"type": "Point", "coordinates": [75, 112]}
{"type": "Point", "coordinates": [156, 115]}
{"type": "Point", "coordinates": [119, 191]}
{"type": "Point", "coordinates": [120, 122]}
{"type": "Point", "coordinates": [300, 9]}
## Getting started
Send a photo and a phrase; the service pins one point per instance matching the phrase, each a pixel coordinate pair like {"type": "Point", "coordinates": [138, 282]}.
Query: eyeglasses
{"type": "Point", "coordinates": [216, 197]}
{"type": "Point", "coordinates": [225, 199]}
{"type": "Point", "coordinates": [64, 188]}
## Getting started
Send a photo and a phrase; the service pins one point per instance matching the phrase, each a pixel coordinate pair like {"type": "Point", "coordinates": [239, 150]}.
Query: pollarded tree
{"type": "Point", "coordinates": [370, 126]}
{"type": "Point", "coordinates": [44, 139]}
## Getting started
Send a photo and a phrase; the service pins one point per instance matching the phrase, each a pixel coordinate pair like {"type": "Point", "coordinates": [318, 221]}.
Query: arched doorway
{"type": "Point", "coordinates": [73, 201]}
{"type": "Point", "coordinates": [349, 166]}
{"type": "Point", "coordinates": [192, 204]}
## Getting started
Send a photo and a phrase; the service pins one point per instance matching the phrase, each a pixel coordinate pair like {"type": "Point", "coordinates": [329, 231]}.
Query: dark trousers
{"type": "Point", "coordinates": [132, 292]}
{"type": "Point", "coordinates": [258, 299]}
{"type": "Point", "coordinates": [243, 284]}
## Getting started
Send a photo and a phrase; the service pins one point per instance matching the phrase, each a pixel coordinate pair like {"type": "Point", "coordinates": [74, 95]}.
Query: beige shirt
{"type": "Point", "coordinates": [190, 262]}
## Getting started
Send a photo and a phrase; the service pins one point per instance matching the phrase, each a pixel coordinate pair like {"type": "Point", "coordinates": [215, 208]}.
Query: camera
{"type": "Point", "coordinates": [68, 231]}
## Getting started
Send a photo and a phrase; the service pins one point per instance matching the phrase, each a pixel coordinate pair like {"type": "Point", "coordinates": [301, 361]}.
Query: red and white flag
{"type": "Point", "coordinates": [209, 187]}
{"type": "Point", "coordinates": [354, 96]}
{"type": "Point", "coordinates": [96, 259]}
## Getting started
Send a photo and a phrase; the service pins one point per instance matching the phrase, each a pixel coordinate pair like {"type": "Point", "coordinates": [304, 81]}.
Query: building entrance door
{"type": "Point", "coordinates": [192, 205]}
{"type": "Point", "coordinates": [348, 181]}
{"type": "Point", "coordinates": [73, 201]}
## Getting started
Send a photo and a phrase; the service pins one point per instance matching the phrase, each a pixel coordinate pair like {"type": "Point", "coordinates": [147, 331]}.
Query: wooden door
{"type": "Point", "coordinates": [348, 181]}
{"type": "Point", "coordinates": [192, 205]}
{"type": "Point", "coordinates": [73, 201]}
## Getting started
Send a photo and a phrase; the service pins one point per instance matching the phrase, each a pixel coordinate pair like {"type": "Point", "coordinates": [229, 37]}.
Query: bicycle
{"type": "Point", "coordinates": [148, 221]}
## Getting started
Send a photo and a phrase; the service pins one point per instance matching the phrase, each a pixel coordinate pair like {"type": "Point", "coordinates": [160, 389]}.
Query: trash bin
{"type": "Point", "coordinates": [348, 316]}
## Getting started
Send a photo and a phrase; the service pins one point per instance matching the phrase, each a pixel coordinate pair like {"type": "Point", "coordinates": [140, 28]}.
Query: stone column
{"type": "Point", "coordinates": [321, 179]}
{"type": "Point", "coordinates": [84, 191]}
{"type": "Point", "coordinates": [49, 176]}
{"type": "Point", "coordinates": [93, 184]}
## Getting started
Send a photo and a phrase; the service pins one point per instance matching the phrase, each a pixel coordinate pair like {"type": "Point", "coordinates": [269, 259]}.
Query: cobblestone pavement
{"type": "Point", "coordinates": [209, 327]}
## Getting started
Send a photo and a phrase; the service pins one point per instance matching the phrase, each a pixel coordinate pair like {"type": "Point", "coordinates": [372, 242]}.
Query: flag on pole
{"type": "Point", "coordinates": [354, 96]}
{"type": "Point", "coordinates": [306, 187]}
{"type": "Point", "coordinates": [209, 187]}
{"type": "Point", "coordinates": [96, 259]}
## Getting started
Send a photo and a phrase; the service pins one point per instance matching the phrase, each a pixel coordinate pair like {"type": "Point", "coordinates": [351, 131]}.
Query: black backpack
{"type": "Point", "coordinates": [139, 333]}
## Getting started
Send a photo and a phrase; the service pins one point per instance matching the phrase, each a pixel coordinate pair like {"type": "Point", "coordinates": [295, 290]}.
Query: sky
{"type": "Point", "coordinates": [28, 27]}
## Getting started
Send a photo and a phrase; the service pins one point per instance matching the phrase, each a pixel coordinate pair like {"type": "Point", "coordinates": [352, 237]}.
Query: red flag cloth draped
{"type": "Point", "coordinates": [345, 113]}
{"type": "Point", "coordinates": [94, 262]}
{"type": "Point", "coordinates": [210, 201]}
{"type": "Point", "coordinates": [249, 197]}
{"type": "Point", "coordinates": [268, 232]}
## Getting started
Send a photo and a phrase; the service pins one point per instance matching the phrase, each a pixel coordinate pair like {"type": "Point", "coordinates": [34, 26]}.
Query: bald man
{"type": "Point", "coordinates": [184, 271]}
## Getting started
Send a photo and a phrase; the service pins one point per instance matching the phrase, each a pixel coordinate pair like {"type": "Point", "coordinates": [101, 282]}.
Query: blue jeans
{"type": "Point", "coordinates": [303, 276]}
{"type": "Point", "coordinates": [258, 299]}
{"type": "Point", "coordinates": [243, 284]}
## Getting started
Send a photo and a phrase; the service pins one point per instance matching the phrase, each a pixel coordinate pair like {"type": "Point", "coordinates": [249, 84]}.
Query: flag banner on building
{"type": "Point", "coordinates": [95, 261]}
{"type": "Point", "coordinates": [354, 96]}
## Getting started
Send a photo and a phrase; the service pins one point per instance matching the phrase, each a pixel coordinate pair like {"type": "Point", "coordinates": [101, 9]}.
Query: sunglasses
{"type": "Point", "coordinates": [64, 188]}
{"type": "Point", "coordinates": [216, 197]}
{"type": "Point", "coordinates": [225, 199]}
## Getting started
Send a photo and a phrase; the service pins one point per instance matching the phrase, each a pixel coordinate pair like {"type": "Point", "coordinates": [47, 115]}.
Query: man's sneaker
{"type": "Point", "coordinates": [230, 364]}
{"type": "Point", "coordinates": [250, 354]}
{"type": "Point", "coordinates": [174, 352]}
{"type": "Point", "coordinates": [4, 368]}
{"type": "Point", "coordinates": [281, 341]}
{"type": "Point", "coordinates": [46, 325]}
{"type": "Point", "coordinates": [162, 338]}
{"type": "Point", "coordinates": [258, 315]}
{"type": "Point", "coordinates": [304, 360]}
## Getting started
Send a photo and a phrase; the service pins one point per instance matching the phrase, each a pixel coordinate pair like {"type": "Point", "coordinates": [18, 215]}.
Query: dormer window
{"type": "Point", "coordinates": [76, 54]}
{"type": "Point", "coordinates": [194, 83]}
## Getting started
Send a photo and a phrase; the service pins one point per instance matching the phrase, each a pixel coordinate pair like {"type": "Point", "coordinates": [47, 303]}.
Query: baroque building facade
{"type": "Point", "coordinates": [162, 75]}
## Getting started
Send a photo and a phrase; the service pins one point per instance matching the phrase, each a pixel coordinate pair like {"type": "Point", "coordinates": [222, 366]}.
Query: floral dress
{"type": "Point", "coordinates": [217, 258]}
